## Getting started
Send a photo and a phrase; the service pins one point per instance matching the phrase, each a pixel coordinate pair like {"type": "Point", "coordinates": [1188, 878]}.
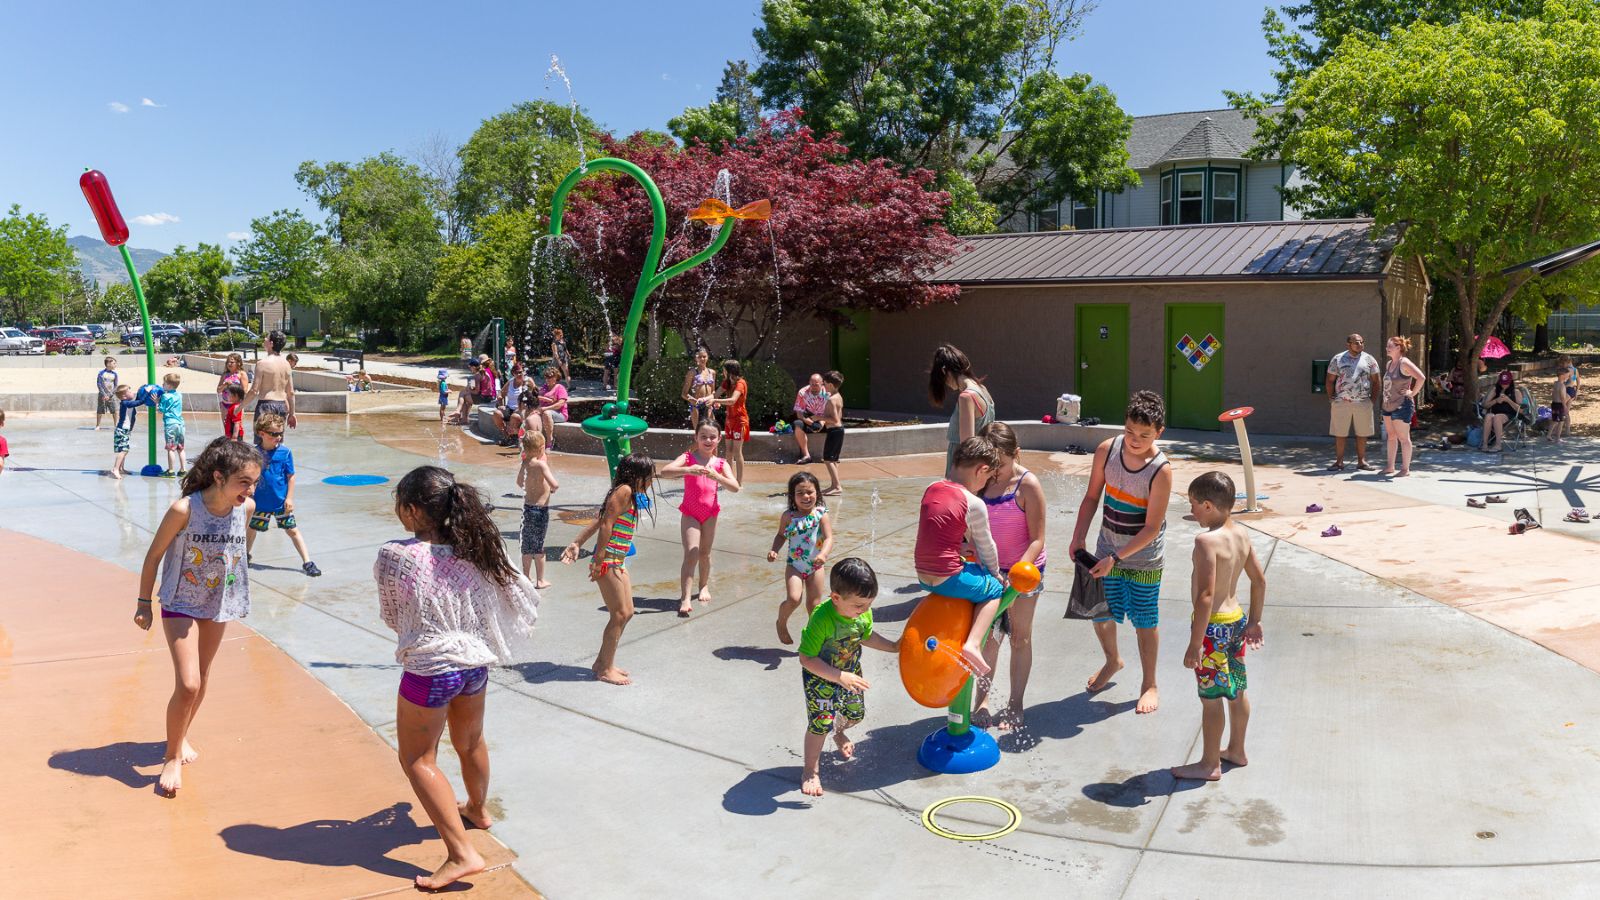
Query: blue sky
{"type": "Point", "coordinates": [198, 113]}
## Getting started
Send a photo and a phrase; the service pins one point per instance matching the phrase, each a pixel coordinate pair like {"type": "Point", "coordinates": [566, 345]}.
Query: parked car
{"type": "Point", "coordinates": [14, 340]}
{"type": "Point", "coordinates": [79, 330]}
{"type": "Point", "coordinates": [97, 331]}
{"type": "Point", "coordinates": [65, 340]}
{"type": "Point", "coordinates": [161, 331]}
{"type": "Point", "coordinates": [240, 333]}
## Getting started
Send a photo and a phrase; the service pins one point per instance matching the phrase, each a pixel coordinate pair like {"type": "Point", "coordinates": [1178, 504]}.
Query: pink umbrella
{"type": "Point", "coordinates": [1494, 349]}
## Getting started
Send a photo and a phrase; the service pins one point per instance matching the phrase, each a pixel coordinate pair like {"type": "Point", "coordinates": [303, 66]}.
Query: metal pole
{"type": "Point", "coordinates": [1250, 504]}
{"type": "Point", "coordinates": [149, 348]}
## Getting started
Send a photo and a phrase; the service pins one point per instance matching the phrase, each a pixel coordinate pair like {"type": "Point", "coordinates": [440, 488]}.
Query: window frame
{"type": "Point", "coordinates": [1094, 213]}
{"type": "Point", "coordinates": [1211, 194]}
{"type": "Point", "coordinates": [1177, 194]}
{"type": "Point", "coordinates": [1168, 185]}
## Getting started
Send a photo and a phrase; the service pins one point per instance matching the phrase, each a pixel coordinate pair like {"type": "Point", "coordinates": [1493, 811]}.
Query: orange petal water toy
{"type": "Point", "coordinates": [715, 211]}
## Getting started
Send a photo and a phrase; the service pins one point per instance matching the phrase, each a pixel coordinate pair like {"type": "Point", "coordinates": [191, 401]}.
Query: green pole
{"type": "Point", "coordinates": [149, 344]}
{"type": "Point", "coordinates": [961, 706]}
{"type": "Point", "coordinates": [614, 426]}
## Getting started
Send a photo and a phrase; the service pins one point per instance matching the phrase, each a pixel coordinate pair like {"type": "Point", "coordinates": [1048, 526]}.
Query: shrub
{"type": "Point", "coordinates": [658, 392]}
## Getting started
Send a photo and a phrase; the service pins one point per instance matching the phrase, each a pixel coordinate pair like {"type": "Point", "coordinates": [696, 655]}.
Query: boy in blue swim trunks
{"type": "Point", "coordinates": [1136, 483]}
{"type": "Point", "coordinates": [830, 654]}
{"type": "Point", "coordinates": [952, 512]}
{"type": "Point", "coordinates": [1220, 631]}
{"type": "Point", "coordinates": [275, 490]}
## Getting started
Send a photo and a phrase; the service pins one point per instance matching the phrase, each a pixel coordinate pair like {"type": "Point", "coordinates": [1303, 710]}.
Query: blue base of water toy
{"type": "Point", "coordinates": [355, 480]}
{"type": "Point", "coordinates": [151, 471]}
{"type": "Point", "coordinates": [950, 754]}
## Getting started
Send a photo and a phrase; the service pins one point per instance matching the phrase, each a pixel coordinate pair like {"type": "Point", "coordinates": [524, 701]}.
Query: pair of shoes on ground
{"type": "Point", "coordinates": [1525, 522]}
{"type": "Point", "coordinates": [1578, 514]}
{"type": "Point", "coordinates": [1362, 466]}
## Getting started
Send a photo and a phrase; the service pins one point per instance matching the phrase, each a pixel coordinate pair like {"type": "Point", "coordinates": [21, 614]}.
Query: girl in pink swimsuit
{"type": "Point", "coordinates": [703, 474]}
{"type": "Point", "coordinates": [1016, 504]}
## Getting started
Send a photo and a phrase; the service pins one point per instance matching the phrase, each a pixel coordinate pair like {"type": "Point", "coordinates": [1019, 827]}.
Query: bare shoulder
{"type": "Point", "coordinates": [180, 506]}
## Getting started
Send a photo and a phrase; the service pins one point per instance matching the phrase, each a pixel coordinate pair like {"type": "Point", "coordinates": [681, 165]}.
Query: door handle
{"type": "Point", "coordinates": [1083, 364]}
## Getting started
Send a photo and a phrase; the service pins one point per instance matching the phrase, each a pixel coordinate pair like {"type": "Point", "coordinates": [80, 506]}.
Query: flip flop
{"type": "Point", "coordinates": [1495, 499]}
{"type": "Point", "coordinates": [1578, 514]}
{"type": "Point", "coordinates": [1313, 508]}
{"type": "Point", "coordinates": [1477, 504]}
{"type": "Point", "coordinates": [1335, 467]}
{"type": "Point", "coordinates": [1333, 531]}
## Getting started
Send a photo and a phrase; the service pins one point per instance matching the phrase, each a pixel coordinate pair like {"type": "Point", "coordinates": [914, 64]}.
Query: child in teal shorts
{"type": "Point", "coordinates": [170, 405]}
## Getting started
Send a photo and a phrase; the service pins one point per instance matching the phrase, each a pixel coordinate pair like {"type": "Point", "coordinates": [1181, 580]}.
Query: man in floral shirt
{"type": "Point", "coordinates": [1352, 383]}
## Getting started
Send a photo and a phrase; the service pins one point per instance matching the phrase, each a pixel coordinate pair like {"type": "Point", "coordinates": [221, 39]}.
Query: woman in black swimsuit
{"type": "Point", "coordinates": [1499, 412]}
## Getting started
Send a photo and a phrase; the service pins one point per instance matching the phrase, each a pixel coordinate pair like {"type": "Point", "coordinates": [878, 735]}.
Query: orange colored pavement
{"type": "Point", "coordinates": [293, 795]}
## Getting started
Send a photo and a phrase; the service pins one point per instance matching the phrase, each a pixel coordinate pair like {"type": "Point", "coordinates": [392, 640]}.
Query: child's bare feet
{"type": "Point", "coordinates": [811, 785]}
{"type": "Point", "coordinates": [982, 718]}
{"type": "Point", "coordinates": [1235, 758]}
{"type": "Point", "coordinates": [1102, 678]}
{"type": "Point", "coordinates": [613, 675]}
{"type": "Point", "coordinates": [171, 778]}
{"type": "Point", "coordinates": [1010, 719]}
{"type": "Point", "coordinates": [452, 871]}
{"type": "Point", "coordinates": [188, 754]}
{"type": "Point", "coordinates": [705, 594]}
{"type": "Point", "coordinates": [685, 606]}
{"type": "Point", "coordinates": [1149, 700]}
{"type": "Point", "coordinates": [974, 658]}
{"type": "Point", "coordinates": [847, 747]}
{"type": "Point", "coordinates": [833, 492]}
{"type": "Point", "coordinates": [1199, 771]}
{"type": "Point", "coordinates": [542, 585]}
{"type": "Point", "coordinates": [116, 473]}
{"type": "Point", "coordinates": [783, 632]}
{"type": "Point", "coordinates": [475, 817]}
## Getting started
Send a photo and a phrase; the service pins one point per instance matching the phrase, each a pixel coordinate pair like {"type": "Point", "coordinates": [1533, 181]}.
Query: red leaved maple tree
{"type": "Point", "coordinates": [844, 234]}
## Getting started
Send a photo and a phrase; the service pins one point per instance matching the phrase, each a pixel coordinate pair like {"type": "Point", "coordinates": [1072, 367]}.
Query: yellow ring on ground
{"type": "Point", "coordinates": [929, 823]}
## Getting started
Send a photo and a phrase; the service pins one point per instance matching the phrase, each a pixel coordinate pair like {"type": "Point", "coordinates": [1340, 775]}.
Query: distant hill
{"type": "Point", "coordinates": [103, 262]}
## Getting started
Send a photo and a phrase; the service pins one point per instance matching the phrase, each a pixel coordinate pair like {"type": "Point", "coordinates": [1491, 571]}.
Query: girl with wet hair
{"type": "Point", "coordinates": [619, 516]}
{"type": "Point", "coordinates": [458, 607]}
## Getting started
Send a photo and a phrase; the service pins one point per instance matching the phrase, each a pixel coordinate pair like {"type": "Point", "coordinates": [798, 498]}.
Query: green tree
{"type": "Point", "coordinates": [515, 159]}
{"type": "Point", "coordinates": [1481, 139]}
{"type": "Point", "coordinates": [81, 297]}
{"type": "Point", "coordinates": [117, 304]}
{"type": "Point", "coordinates": [1303, 36]}
{"type": "Point", "coordinates": [189, 284]}
{"type": "Point", "coordinates": [34, 259]}
{"type": "Point", "coordinates": [735, 113]}
{"type": "Point", "coordinates": [283, 258]}
{"type": "Point", "coordinates": [964, 85]}
{"type": "Point", "coordinates": [385, 238]}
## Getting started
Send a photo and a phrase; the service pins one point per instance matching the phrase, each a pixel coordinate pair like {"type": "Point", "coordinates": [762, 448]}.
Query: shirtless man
{"type": "Point", "coordinates": [1221, 631]}
{"type": "Point", "coordinates": [273, 385]}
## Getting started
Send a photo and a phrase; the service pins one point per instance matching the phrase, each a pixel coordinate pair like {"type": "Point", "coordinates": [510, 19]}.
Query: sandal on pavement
{"type": "Point", "coordinates": [1333, 531]}
{"type": "Point", "coordinates": [1336, 467]}
{"type": "Point", "coordinates": [1494, 498]}
{"type": "Point", "coordinates": [1365, 467]}
{"type": "Point", "coordinates": [1477, 504]}
{"type": "Point", "coordinates": [1578, 514]}
{"type": "Point", "coordinates": [1313, 508]}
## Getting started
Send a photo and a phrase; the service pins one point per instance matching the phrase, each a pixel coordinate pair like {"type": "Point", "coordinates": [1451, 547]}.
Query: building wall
{"type": "Point", "coordinates": [1021, 340]}
{"type": "Point", "coordinates": [1294, 179]}
{"type": "Point", "coordinates": [1261, 201]}
{"type": "Point", "coordinates": [1144, 202]}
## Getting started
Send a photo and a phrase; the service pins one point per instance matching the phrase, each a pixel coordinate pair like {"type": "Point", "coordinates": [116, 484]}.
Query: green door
{"type": "Point", "coordinates": [1103, 360]}
{"type": "Point", "coordinates": [1195, 359]}
{"type": "Point", "coordinates": [851, 351]}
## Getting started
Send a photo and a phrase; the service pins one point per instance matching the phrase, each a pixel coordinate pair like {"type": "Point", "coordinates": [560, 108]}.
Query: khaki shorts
{"type": "Point", "coordinates": [1348, 413]}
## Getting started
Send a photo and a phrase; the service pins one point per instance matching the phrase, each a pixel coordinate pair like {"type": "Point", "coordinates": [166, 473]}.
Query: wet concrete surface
{"type": "Point", "coordinates": [1390, 727]}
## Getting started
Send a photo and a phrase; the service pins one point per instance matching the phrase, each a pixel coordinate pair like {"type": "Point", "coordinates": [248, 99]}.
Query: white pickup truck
{"type": "Point", "coordinates": [12, 340]}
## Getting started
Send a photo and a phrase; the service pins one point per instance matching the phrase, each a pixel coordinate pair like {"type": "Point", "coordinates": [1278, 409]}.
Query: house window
{"type": "Point", "coordinates": [1224, 196]}
{"type": "Point", "coordinates": [1191, 198]}
{"type": "Point", "coordinates": [1048, 219]}
{"type": "Point", "coordinates": [1166, 199]}
{"type": "Point", "coordinates": [1082, 214]}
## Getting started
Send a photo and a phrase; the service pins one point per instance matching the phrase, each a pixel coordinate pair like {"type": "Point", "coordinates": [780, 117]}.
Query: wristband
{"type": "Point", "coordinates": [144, 601]}
{"type": "Point", "coordinates": [1115, 557]}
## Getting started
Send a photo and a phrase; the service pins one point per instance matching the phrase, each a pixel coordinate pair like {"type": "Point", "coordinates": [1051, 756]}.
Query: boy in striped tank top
{"type": "Point", "coordinates": [1133, 483]}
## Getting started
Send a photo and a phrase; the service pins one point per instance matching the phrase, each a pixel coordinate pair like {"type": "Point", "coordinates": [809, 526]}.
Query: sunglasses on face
{"type": "Point", "coordinates": [276, 434]}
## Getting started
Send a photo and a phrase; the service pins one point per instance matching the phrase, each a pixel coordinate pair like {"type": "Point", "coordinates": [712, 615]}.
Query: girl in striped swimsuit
{"type": "Point", "coordinates": [1015, 500]}
{"type": "Point", "coordinates": [619, 514]}
{"type": "Point", "coordinates": [1136, 483]}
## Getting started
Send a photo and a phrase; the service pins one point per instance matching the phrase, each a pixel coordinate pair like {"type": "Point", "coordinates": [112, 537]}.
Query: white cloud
{"type": "Point", "coordinates": [237, 235]}
{"type": "Point", "coordinates": [146, 101]}
{"type": "Point", "coordinates": [116, 107]}
{"type": "Point", "coordinates": [159, 218]}
{"type": "Point", "coordinates": [665, 77]}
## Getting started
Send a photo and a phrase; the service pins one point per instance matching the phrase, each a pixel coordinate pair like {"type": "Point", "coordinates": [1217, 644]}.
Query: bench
{"type": "Point", "coordinates": [359, 357]}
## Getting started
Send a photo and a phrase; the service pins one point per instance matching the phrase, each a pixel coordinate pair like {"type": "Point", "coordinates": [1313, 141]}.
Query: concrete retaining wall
{"type": "Point", "coordinates": [859, 443]}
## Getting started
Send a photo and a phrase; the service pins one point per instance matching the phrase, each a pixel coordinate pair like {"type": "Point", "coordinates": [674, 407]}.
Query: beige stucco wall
{"type": "Point", "coordinates": [1022, 340]}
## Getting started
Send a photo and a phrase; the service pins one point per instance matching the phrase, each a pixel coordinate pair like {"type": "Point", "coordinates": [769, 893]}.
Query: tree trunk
{"type": "Point", "coordinates": [1541, 338]}
{"type": "Point", "coordinates": [1469, 344]}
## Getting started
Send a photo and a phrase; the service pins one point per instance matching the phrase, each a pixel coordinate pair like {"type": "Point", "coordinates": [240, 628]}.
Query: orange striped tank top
{"type": "Point", "coordinates": [622, 535]}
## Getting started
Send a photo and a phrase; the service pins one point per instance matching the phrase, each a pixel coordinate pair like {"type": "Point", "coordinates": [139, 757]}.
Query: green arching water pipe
{"type": "Point", "coordinates": [149, 349]}
{"type": "Point", "coordinates": [614, 426]}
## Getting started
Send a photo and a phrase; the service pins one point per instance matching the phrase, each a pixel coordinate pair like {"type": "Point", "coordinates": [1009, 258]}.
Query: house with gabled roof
{"type": "Point", "coordinates": [1193, 169]}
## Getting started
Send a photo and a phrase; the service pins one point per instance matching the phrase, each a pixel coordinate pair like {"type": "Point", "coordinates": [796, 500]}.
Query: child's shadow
{"type": "Point", "coordinates": [1138, 790]}
{"type": "Point", "coordinates": [654, 605]}
{"type": "Point", "coordinates": [118, 761]}
{"type": "Point", "coordinates": [365, 842]}
{"type": "Point", "coordinates": [885, 756]}
{"type": "Point", "coordinates": [771, 657]}
{"type": "Point", "coordinates": [264, 567]}
{"type": "Point", "coordinates": [544, 672]}
{"type": "Point", "coordinates": [758, 793]}
{"type": "Point", "coordinates": [1060, 719]}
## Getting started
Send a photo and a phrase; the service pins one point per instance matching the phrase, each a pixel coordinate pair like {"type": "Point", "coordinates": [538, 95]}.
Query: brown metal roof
{"type": "Point", "coordinates": [1265, 251]}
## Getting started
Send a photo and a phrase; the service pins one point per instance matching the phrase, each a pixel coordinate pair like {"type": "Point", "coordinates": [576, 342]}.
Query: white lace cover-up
{"type": "Point", "coordinates": [448, 614]}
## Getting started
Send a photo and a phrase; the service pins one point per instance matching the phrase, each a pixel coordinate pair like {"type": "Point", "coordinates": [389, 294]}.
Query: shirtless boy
{"type": "Point", "coordinates": [538, 482]}
{"type": "Point", "coordinates": [1220, 631]}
